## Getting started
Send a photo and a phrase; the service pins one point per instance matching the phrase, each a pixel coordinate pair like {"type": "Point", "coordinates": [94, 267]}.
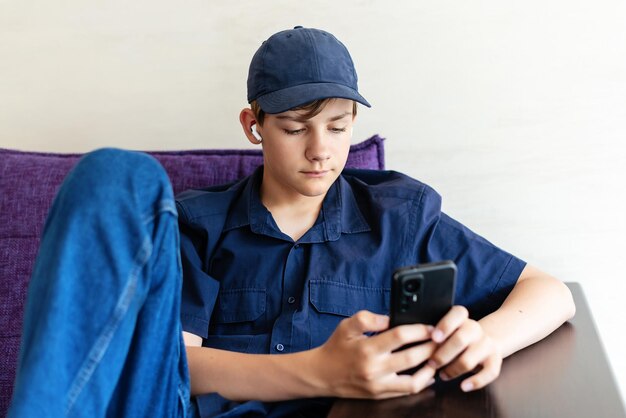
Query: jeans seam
{"type": "Point", "coordinates": [99, 348]}
{"type": "Point", "coordinates": [164, 206]}
{"type": "Point", "coordinates": [183, 398]}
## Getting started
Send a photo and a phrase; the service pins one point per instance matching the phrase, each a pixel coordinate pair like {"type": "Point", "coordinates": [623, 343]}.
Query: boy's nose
{"type": "Point", "coordinates": [317, 149]}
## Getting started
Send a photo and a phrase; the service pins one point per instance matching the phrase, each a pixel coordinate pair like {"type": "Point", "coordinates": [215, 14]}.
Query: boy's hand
{"type": "Point", "coordinates": [351, 364]}
{"type": "Point", "coordinates": [465, 347]}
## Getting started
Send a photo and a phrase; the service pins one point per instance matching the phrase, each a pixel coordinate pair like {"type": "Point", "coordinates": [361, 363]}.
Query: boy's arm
{"type": "Point", "coordinates": [349, 364]}
{"type": "Point", "coordinates": [537, 305]}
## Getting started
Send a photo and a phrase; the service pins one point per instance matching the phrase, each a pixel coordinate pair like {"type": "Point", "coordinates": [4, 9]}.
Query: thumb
{"type": "Point", "coordinates": [365, 321]}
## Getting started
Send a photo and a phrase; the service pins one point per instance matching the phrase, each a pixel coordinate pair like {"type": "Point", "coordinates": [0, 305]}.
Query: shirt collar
{"type": "Point", "coordinates": [341, 210]}
{"type": "Point", "coordinates": [340, 213]}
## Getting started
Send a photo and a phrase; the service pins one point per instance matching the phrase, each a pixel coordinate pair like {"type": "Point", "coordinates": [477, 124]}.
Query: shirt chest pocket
{"type": "Point", "coordinates": [236, 319]}
{"type": "Point", "coordinates": [239, 306]}
{"type": "Point", "coordinates": [333, 301]}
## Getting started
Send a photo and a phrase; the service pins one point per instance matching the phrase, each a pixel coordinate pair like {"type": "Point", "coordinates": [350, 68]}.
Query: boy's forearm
{"type": "Point", "coordinates": [537, 305]}
{"type": "Point", "coordinates": [348, 364]}
{"type": "Point", "coordinates": [241, 377]}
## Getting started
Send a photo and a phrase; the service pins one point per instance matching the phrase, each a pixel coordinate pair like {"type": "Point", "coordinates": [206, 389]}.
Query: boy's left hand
{"type": "Point", "coordinates": [465, 347]}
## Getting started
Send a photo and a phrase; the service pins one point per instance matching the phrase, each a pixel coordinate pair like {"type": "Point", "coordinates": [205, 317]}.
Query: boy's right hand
{"type": "Point", "coordinates": [353, 365]}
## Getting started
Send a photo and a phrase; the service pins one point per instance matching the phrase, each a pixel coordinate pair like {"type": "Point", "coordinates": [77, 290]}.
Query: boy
{"type": "Point", "coordinates": [293, 261]}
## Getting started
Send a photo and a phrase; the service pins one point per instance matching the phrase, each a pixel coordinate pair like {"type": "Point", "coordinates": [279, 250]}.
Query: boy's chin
{"type": "Point", "coordinates": [315, 191]}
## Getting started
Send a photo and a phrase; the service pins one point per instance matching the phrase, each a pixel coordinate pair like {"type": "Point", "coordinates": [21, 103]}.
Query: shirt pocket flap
{"type": "Point", "coordinates": [346, 300]}
{"type": "Point", "coordinates": [240, 305]}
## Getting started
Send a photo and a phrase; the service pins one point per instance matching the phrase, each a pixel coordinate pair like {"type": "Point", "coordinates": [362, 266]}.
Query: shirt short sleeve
{"type": "Point", "coordinates": [486, 274]}
{"type": "Point", "coordinates": [200, 290]}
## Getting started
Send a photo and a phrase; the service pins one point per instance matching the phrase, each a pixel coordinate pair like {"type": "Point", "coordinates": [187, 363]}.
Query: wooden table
{"type": "Point", "coordinates": [565, 375]}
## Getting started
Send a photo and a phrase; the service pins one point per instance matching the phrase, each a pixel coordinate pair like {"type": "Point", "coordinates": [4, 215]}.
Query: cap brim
{"type": "Point", "coordinates": [292, 97]}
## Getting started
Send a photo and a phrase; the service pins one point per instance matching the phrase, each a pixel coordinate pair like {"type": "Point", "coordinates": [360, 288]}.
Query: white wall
{"type": "Point", "coordinates": [514, 111]}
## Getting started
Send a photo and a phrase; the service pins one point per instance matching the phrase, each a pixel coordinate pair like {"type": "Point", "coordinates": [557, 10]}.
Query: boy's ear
{"type": "Point", "coordinates": [248, 120]}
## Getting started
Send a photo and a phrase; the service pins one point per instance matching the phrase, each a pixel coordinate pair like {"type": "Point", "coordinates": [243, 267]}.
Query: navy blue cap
{"type": "Point", "coordinates": [297, 66]}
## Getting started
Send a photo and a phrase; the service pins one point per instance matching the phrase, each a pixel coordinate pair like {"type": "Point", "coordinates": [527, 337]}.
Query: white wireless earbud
{"type": "Point", "coordinates": [255, 133]}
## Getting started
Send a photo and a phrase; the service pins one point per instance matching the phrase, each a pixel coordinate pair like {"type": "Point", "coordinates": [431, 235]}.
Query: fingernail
{"type": "Point", "coordinates": [430, 328]}
{"type": "Point", "coordinates": [437, 336]}
{"type": "Point", "coordinates": [444, 376]}
{"type": "Point", "coordinates": [430, 382]}
{"type": "Point", "coordinates": [467, 386]}
{"type": "Point", "coordinates": [432, 364]}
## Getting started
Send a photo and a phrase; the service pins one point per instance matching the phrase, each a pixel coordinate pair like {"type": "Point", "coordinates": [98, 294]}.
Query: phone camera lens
{"type": "Point", "coordinates": [411, 285]}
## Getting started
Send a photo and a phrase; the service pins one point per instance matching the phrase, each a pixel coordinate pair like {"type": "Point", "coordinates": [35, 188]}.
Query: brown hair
{"type": "Point", "coordinates": [310, 109]}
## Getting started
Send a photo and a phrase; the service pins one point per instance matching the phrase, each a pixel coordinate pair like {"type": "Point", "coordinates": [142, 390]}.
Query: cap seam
{"type": "Point", "coordinates": [263, 85]}
{"type": "Point", "coordinates": [315, 55]}
{"type": "Point", "coordinates": [356, 78]}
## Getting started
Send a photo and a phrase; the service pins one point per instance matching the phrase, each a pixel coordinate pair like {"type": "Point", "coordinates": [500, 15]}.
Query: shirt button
{"type": "Point", "coordinates": [291, 299]}
{"type": "Point", "coordinates": [296, 246]}
{"type": "Point", "coordinates": [280, 347]}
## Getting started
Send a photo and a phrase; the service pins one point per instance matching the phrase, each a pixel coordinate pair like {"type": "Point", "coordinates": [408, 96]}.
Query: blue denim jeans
{"type": "Point", "coordinates": [102, 334]}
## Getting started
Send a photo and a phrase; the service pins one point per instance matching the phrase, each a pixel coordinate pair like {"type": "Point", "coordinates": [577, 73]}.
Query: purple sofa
{"type": "Point", "coordinates": [29, 182]}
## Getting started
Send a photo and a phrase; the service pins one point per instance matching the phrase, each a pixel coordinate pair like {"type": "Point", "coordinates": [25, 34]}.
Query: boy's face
{"type": "Point", "coordinates": [303, 157]}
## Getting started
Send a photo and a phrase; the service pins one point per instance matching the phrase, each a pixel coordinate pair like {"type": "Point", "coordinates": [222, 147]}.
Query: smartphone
{"type": "Point", "coordinates": [422, 293]}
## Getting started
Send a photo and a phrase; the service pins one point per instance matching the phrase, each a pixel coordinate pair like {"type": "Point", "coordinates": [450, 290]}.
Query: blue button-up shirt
{"type": "Point", "coordinates": [248, 287]}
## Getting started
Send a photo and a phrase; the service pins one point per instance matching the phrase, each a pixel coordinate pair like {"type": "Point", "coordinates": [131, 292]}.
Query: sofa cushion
{"type": "Point", "coordinates": [29, 182]}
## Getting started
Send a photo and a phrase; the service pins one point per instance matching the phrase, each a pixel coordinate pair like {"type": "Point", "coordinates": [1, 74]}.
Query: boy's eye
{"type": "Point", "coordinates": [293, 131]}
{"type": "Point", "coordinates": [302, 130]}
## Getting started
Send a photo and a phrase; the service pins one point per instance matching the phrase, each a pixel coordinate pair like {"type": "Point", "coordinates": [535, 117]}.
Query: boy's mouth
{"type": "Point", "coordinates": [315, 173]}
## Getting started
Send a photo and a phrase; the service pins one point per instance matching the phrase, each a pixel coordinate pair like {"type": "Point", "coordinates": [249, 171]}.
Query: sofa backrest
{"type": "Point", "coordinates": [28, 183]}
